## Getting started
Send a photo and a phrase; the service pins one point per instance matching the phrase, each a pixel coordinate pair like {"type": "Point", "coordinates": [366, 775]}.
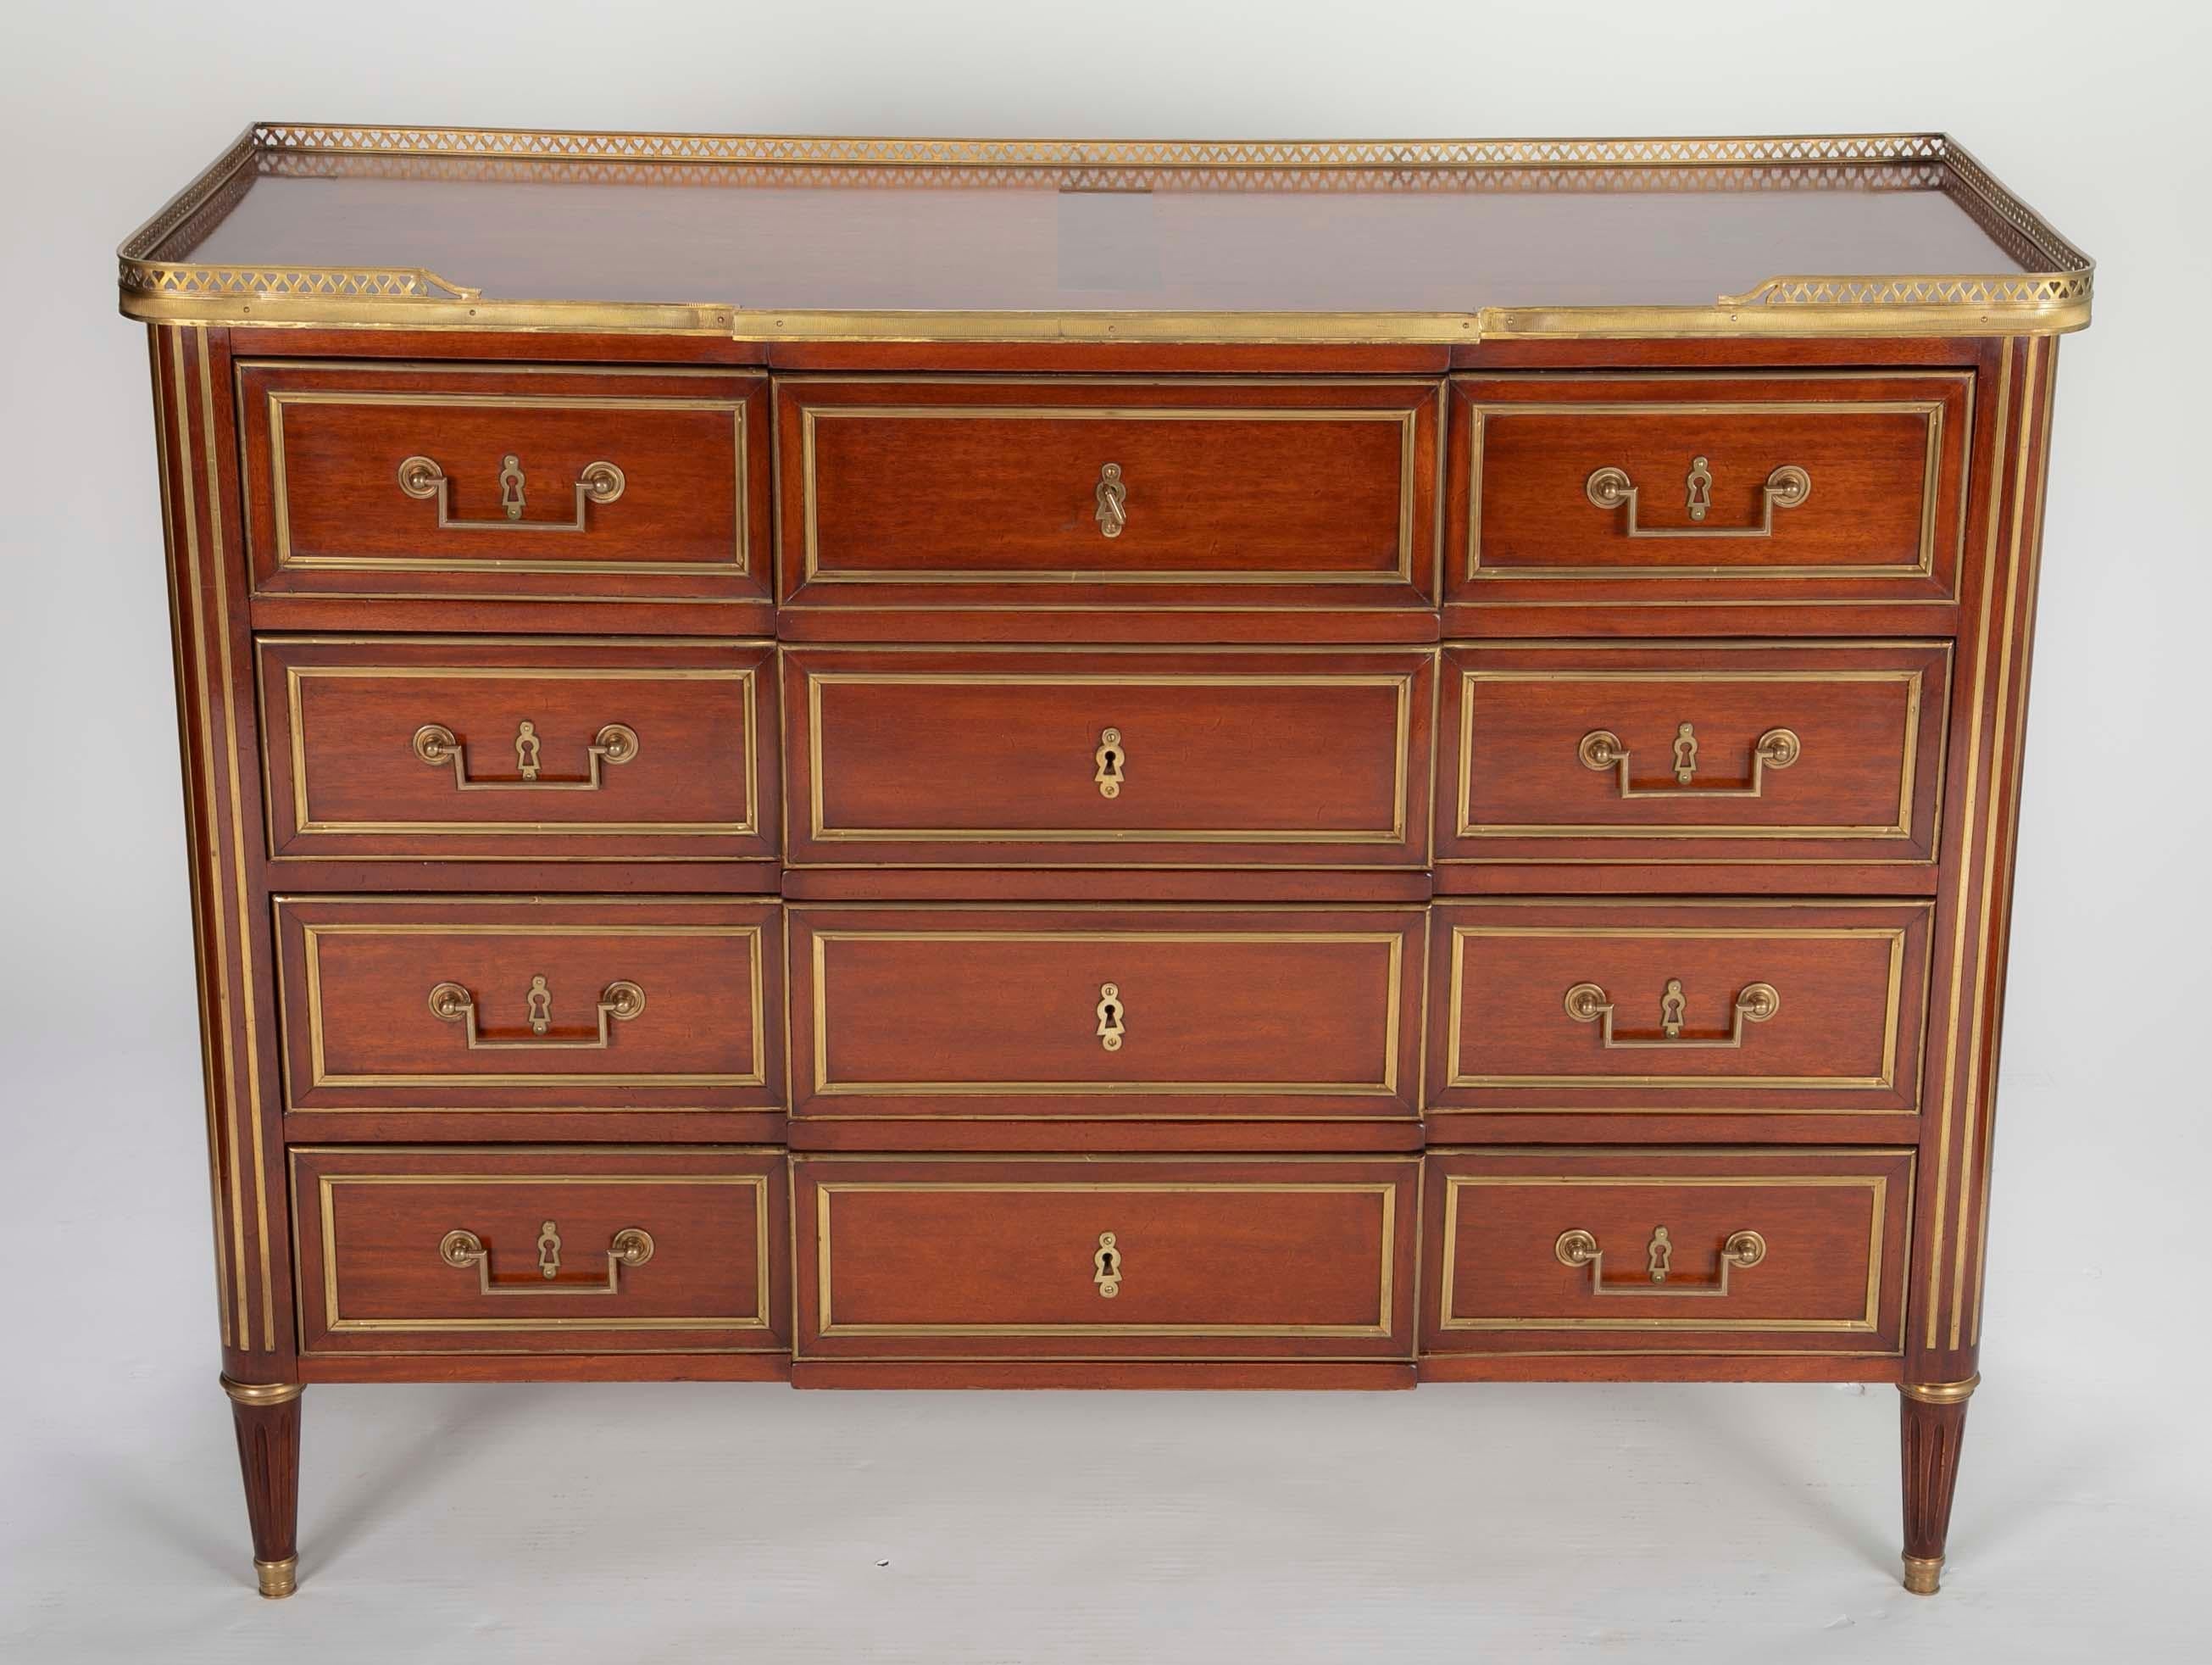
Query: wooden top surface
{"type": "Point", "coordinates": [856, 236]}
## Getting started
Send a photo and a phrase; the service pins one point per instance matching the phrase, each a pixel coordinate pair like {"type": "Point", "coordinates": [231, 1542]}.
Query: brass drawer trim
{"type": "Point", "coordinates": [328, 1183]}
{"type": "Point", "coordinates": [313, 934]}
{"type": "Point", "coordinates": [1407, 422]}
{"type": "Point", "coordinates": [1867, 1323]}
{"type": "Point", "coordinates": [1887, 1077]}
{"type": "Point", "coordinates": [1929, 410]}
{"type": "Point", "coordinates": [1900, 827]}
{"type": "Point", "coordinates": [1387, 1191]}
{"type": "Point", "coordinates": [1387, 1087]}
{"type": "Point", "coordinates": [287, 560]}
{"type": "Point", "coordinates": [820, 830]}
{"type": "Point", "coordinates": [296, 677]}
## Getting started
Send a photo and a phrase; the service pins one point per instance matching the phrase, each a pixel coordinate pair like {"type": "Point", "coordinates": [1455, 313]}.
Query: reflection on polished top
{"type": "Point", "coordinates": [797, 238]}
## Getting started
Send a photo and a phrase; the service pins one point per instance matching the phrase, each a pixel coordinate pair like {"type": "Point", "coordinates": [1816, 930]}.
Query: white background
{"type": "Point", "coordinates": [547, 1524]}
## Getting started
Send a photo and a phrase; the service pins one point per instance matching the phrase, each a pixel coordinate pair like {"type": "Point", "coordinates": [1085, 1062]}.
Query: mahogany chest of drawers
{"type": "Point", "coordinates": [1137, 765]}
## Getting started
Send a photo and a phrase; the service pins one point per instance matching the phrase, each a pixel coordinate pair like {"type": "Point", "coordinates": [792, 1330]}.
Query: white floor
{"type": "Point", "coordinates": [609, 1524]}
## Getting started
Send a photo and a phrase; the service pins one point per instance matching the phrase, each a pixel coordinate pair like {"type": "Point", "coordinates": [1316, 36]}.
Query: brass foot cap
{"type": "Point", "coordinates": [278, 1578]}
{"type": "Point", "coordinates": [1923, 1574]}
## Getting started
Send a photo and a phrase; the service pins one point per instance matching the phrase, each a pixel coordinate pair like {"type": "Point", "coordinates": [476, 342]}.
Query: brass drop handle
{"type": "Point", "coordinates": [618, 1002]}
{"type": "Point", "coordinates": [1106, 1266]}
{"type": "Point", "coordinates": [436, 745]}
{"type": "Point", "coordinates": [1112, 497]}
{"type": "Point", "coordinates": [1111, 1014]}
{"type": "Point", "coordinates": [1601, 750]}
{"type": "Point", "coordinates": [1756, 1002]}
{"type": "Point", "coordinates": [1108, 763]}
{"type": "Point", "coordinates": [1580, 1248]}
{"type": "Point", "coordinates": [422, 477]}
{"type": "Point", "coordinates": [1786, 488]}
{"type": "Point", "coordinates": [630, 1246]}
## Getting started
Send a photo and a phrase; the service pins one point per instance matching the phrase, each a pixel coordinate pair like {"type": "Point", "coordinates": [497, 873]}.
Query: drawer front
{"type": "Point", "coordinates": [557, 749]}
{"type": "Point", "coordinates": [504, 481]}
{"type": "Point", "coordinates": [1685, 487]}
{"type": "Point", "coordinates": [1094, 758]}
{"type": "Point", "coordinates": [1678, 1008]}
{"type": "Point", "coordinates": [462, 1004]}
{"type": "Point", "coordinates": [1006, 1258]}
{"type": "Point", "coordinates": [460, 1249]}
{"type": "Point", "coordinates": [1102, 494]}
{"type": "Point", "coordinates": [1106, 1013]}
{"type": "Point", "coordinates": [1577, 1250]}
{"type": "Point", "coordinates": [1602, 752]}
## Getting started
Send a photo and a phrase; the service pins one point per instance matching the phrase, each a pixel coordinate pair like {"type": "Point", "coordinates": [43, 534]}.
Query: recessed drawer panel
{"type": "Point", "coordinates": [1004, 1258]}
{"type": "Point", "coordinates": [504, 481]}
{"type": "Point", "coordinates": [1093, 757]}
{"type": "Point", "coordinates": [1101, 494]}
{"type": "Point", "coordinates": [1683, 487]}
{"type": "Point", "coordinates": [1681, 1007]}
{"type": "Point", "coordinates": [1106, 1012]}
{"type": "Point", "coordinates": [413, 1250]}
{"type": "Point", "coordinates": [456, 1005]}
{"type": "Point", "coordinates": [1599, 751]}
{"type": "Point", "coordinates": [557, 749]}
{"type": "Point", "coordinates": [1643, 1251]}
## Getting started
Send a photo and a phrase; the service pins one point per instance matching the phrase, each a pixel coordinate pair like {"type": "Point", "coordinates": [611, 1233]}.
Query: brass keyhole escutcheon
{"type": "Point", "coordinates": [1106, 1266]}
{"type": "Point", "coordinates": [1108, 761]}
{"type": "Point", "coordinates": [1700, 488]}
{"type": "Point", "coordinates": [510, 486]}
{"type": "Point", "coordinates": [1111, 498]}
{"type": "Point", "coordinates": [1110, 1013]}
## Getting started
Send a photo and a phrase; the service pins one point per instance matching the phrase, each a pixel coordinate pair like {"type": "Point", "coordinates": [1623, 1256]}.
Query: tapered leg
{"type": "Point", "coordinates": [267, 1416]}
{"type": "Point", "coordinates": [1933, 1427]}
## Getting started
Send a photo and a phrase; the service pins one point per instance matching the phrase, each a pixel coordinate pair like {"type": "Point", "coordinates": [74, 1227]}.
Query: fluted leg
{"type": "Point", "coordinates": [1933, 1427]}
{"type": "Point", "coordinates": [267, 1416]}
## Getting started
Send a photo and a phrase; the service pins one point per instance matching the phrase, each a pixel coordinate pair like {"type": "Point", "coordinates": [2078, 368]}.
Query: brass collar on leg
{"type": "Point", "coordinates": [1941, 1392]}
{"type": "Point", "coordinates": [278, 1578]}
{"type": "Point", "coordinates": [1923, 1574]}
{"type": "Point", "coordinates": [262, 1392]}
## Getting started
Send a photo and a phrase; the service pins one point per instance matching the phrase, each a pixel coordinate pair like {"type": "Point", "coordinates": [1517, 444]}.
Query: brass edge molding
{"type": "Point", "coordinates": [2028, 302]}
{"type": "Point", "coordinates": [262, 1394]}
{"type": "Point", "coordinates": [1386, 1192]}
{"type": "Point", "coordinates": [1407, 419]}
{"type": "Point", "coordinates": [1941, 1392]}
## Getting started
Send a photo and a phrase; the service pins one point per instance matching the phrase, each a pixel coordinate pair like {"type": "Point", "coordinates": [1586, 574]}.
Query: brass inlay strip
{"type": "Point", "coordinates": [296, 677]}
{"type": "Point", "coordinates": [280, 397]}
{"type": "Point", "coordinates": [1385, 1087]}
{"type": "Point", "coordinates": [1914, 681]}
{"type": "Point", "coordinates": [1930, 412]}
{"type": "Point", "coordinates": [1877, 1185]}
{"type": "Point", "coordinates": [1886, 1078]}
{"type": "Point", "coordinates": [1387, 1193]}
{"type": "Point", "coordinates": [327, 1186]}
{"type": "Point", "coordinates": [1971, 810]}
{"type": "Point", "coordinates": [311, 936]}
{"type": "Point", "coordinates": [1401, 685]}
{"type": "Point", "coordinates": [811, 416]}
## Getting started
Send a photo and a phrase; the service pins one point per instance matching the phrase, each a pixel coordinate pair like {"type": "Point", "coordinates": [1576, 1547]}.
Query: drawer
{"type": "Point", "coordinates": [467, 1005]}
{"type": "Point", "coordinates": [504, 481]}
{"type": "Point", "coordinates": [1100, 757]}
{"type": "Point", "coordinates": [1678, 1008]}
{"type": "Point", "coordinates": [1096, 494]}
{"type": "Point", "coordinates": [1630, 752]}
{"type": "Point", "coordinates": [547, 749]}
{"type": "Point", "coordinates": [1183, 1257]}
{"type": "Point", "coordinates": [1687, 488]}
{"type": "Point", "coordinates": [461, 1249]}
{"type": "Point", "coordinates": [1106, 1013]}
{"type": "Point", "coordinates": [1568, 1250]}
